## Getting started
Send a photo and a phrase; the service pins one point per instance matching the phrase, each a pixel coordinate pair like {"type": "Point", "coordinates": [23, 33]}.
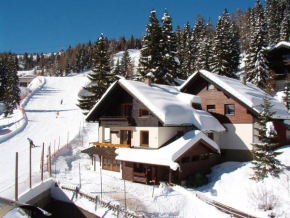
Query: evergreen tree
{"type": "Point", "coordinates": [265, 162]}
{"type": "Point", "coordinates": [222, 60]}
{"type": "Point", "coordinates": [3, 80]}
{"type": "Point", "coordinates": [126, 66]}
{"type": "Point", "coordinates": [12, 92]}
{"type": "Point", "coordinates": [285, 26]}
{"type": "Point", "coordinates": [256, 51]}
{"type": "Point", "coordinates": [168, 45]}
{"type": "Point", "coordinates": [286, 97]}
{"type": "Point", "coordinates": [273, 21]}
{"type": "Point", "coordinates": [185, 50]}
{"type": "Point", "coordinates": [100, 77]}
{"type": "Point", "coordinates": [151, 52]}
{"type": "Point", "coordinates": [58, 71]}
{"type": "Point", "coordinates": [178, 46]}
{"type": "Point", "coordinates": [117, 70]}
{"type": "Point", "coordinates": [197, 35]}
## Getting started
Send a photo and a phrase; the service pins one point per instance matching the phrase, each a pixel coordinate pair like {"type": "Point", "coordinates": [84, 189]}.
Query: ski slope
{"type": "Point", "coordinates": [43, 127]}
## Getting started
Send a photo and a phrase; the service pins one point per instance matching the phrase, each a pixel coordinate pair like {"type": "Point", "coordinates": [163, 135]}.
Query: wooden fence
{"type": "Point", "coordinates": [103, 203]}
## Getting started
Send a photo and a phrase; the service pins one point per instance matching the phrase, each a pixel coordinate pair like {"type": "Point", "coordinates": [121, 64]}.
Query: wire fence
{"type": "Point", "coordinates": [100, 202]}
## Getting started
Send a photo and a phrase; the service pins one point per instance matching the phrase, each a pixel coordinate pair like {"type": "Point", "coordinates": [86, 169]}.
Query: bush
{"type": "Point", "coordinates": [197, 180]}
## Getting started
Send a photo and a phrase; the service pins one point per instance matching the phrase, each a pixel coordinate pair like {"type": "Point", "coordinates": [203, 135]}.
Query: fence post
{"type": "Point", "coordinates": [49, 156]}
{"type": "Point", "coordinates": [42, 160]}
{"type": "Point", "coordinates": [118, 210]}
{"type": "Point", "coordinates": [16, 177]}
{"type": "Point", "coordinates": [96, 206]}
{"type": "Point", "coordinates": [30, 166]}
{"type": "Point", "coordinates": [58, 142]}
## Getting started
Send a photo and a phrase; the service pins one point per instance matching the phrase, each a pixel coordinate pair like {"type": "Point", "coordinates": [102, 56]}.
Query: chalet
{"type": "Point", "coordinates": [279, 61]}
{"type": "Point", "coordinates": [236, 105]}
{"type": "Point", "coordinates": [152, 132]}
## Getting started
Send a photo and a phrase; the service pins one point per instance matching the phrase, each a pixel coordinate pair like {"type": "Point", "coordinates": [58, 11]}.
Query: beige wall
{"type": "Point", "coordinates": [237, 136]}
{"type": "Point", "coordinates": [157, 135]}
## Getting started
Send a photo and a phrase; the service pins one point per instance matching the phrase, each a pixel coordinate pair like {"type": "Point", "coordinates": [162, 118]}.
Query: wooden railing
{"type": "Point", "coordinates": [110, 145]}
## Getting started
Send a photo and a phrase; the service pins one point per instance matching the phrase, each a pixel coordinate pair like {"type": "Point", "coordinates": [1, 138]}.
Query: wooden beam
{"type": "Point", "coordinates": [111, 145]}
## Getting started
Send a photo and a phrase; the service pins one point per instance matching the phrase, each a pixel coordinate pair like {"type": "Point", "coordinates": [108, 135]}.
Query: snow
{"type": "Point", "coordinates": [166, 155]}
{"type": "Point", "coordinates": [171, 106]}
{"type": "Point", "coordinates": [279, 45]}
{"type": "Point", "coordinates": [25, 73]}
{"type": "Point", "coordinates": [134, 55]}
{"type": "Point", "coordinates": [229, 182]}
{"type": "Point", "coordinates": [249, 94]}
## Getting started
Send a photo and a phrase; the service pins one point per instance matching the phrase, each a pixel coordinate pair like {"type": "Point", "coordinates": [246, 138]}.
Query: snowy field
{"type": "Point", "coordinates": [229, 182]}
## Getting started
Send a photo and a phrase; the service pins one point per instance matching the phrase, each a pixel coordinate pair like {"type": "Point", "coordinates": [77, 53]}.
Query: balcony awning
{"type": "Point", "coordinates": [100, 150]}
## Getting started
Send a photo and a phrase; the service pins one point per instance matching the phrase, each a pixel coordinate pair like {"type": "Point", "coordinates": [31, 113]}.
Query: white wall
{"type": "Point", "coordinates": [237, 136]}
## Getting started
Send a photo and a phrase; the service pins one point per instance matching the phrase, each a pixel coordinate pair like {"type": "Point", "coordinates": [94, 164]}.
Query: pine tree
{"type": "Point", "coordinates": [126, 66]}
{"type": "Point", "coordinates": [117, 69]}
{"type": "Point", "coordinates": [285, 27]}
{"type": "Point", "coordinates": [12, 92]}
{"type": "Point", "coordinates": [273, 21]}
{"type": "Point", "coordinates": [168, 45]}
{"type": "Point", "coordinates": [3, 80]}
{"type": "Point", "coordinates": [100, 77]}
{"type": "Point", "coordinates": [58, 71]}
{"type": "Point", "coordinates": [286, 97]}
{"type": "Point", "coordinates": [151, 52]}
{"type": "Point", "coordinates": [185, 50]}
{"type": "Point", "coordinates": [221, 61]}
{"type": "Point", "coordinates": [265, 162]}
{"type": "Point", "coordinates": [256, 50]}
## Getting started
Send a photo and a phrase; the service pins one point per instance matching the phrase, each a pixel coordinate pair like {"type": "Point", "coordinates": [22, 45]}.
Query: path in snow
{"type": "Point", "coordinates": [43, 127]}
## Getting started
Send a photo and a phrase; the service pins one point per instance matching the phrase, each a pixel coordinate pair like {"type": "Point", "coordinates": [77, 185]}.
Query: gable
{"type": "Point", "coordinates": [217, 99]}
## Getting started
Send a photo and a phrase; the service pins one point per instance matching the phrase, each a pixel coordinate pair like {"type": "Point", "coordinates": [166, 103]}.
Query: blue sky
{"type": "Point", "coordinates": [49, 25]}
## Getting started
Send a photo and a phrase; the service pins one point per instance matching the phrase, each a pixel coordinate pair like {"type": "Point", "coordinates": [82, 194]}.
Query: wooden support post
{"type": "Point", "coordinates": [125, 195]}
{"type": "Point", "coordinates": [170, 174]}
{"type": "Point", "coordinates": [54, 149]}
{"type": "Point", "coordinates": [16, 177]}
{"type": "Point", "coordinates": [42, 160]}
{"type": "Point", "coordinates": [30, 166]}
{"type": "Point", "coordinates": [49, 157]}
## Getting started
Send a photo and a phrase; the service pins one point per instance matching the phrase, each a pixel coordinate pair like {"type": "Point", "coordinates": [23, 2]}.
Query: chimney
{"type": "Point", "coordinates": [148, 77]}
{"type": "Point", "coordinates": [243, 80]}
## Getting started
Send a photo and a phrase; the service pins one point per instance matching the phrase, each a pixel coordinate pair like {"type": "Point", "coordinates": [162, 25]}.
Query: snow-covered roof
{"type": "Point", "coordinates": [279, 45]}
{"type": "Point", "coordinates": [171, 106]}
{"type": "Point", "coordinates": [248, 94]}
{"type": "Point", "coordinates": [166, 155]}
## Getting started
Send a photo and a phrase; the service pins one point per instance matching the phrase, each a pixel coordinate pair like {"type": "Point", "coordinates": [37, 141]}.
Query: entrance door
{"type": "Point", "coordinates": [126, 137]}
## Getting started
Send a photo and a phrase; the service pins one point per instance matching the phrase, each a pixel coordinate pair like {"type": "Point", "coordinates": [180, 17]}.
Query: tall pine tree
{"type": "Point", "coordinates": [265, 162]}
{"type": "Point", "coordinates": [12, 92]}
{"type": "Point", "coordinates": [100, 77]}
{"type": "Point", "coordinates": [3, 80]}
{"type": "Point", "coordinates": [151, 52]}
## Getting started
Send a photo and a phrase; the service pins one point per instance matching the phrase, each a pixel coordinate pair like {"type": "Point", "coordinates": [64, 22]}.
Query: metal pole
{"type": "Point", "coordinates": [125, 195]}
{"type": "Point", "coordinates": [42, 160]}
{"type": "Point", "coordinates": [80, 174]}
{"type": "Point", "coordinates": [67, 139]}
{"type": "Point", "coordinates": [16, 177]}
{"type": "Point", "coordinates": [49, 161]}
{"type": "Point", "coordinates": [58, 142]}
{"type": "Point", "coordinates": [100, 158]}
{"type": "Point", "coordinates": [30, 166]}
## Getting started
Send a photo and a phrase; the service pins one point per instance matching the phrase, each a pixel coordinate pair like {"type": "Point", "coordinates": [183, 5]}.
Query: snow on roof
{"type": "Point", "coordinates": [166, 155]}
{"type": "Point", "coordinates": [280, 44]}
{"type": "Point", "coordinates": [249, 94]}
{"type": "Point", "coordinates": [171, 106]}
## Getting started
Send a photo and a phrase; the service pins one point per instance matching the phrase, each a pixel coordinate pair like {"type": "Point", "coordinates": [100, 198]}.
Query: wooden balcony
{"type": "Point", "coordinates": [140, 177]}
{"type": "Point", "coordinates": [110, 145]}
{"type": "Point", "coordinates": [116, 121]}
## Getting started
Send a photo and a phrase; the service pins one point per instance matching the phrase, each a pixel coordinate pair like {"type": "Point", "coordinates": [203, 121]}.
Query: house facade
{"type": "Point", "coordinates": [236, 104]}
{"type": "Point", "coordinates": [146, 119]}
{"type": "Point", "coordinates": [279, 61]}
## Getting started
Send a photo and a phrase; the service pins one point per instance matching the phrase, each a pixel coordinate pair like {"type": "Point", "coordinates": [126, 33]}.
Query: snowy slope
{"type": "Point", "coordinates": [43, 126]}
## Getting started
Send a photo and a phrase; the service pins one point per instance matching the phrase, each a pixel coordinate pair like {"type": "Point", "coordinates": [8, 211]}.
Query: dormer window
{"type": "Point", "coordinates": [210, 86]}
{"type": "Point", "coordinates": [144, 113]}
{"type": "Point", "coordinates": [196, 106]}
{"type": "Point", "coordinates": [229, 109]}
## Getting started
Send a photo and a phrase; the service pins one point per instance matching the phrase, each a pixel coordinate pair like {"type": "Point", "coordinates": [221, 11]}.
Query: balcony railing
{"type": "Point", "coordinates": [111, 145]}
{"type": "Point", "coordinates": [116, 120]}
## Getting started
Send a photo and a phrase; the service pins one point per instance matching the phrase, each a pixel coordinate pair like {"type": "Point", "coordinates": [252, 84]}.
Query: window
{"type": "Point", "coordinates": [229, 109]}
{"type": "Point", "coordinates": [204, 156]}
{"type": "Point", "coordinates": [139, 168]}
{"type": "Point", "coordinates": [125, 138]}
{"type": "Point", "coordinates": [210, 86]}
{"type": "Point", "coordinates": [144, 138]}
{"type": "Point", "coordinates": [195, 158]}
{"type": "Point", "coordinates": [126, 110]}
{"type": "Point", "coordinates": [185, 160]}
{"type": "Point", "coordinates": [210, 135]}
{"type": "Point", "coordinates": [110, 163]}
{"type": "Point", "coordinates": [144, 113]}
{"type": "Point", "coordinates": [107, 135]}
{"type": "Point", "coordinates": [196, 106]}
{"type": "Point", "coordinates": [210, 107]}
